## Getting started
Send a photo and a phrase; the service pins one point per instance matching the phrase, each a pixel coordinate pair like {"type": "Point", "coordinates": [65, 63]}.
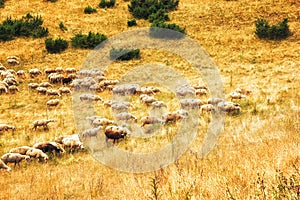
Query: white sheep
{"type": "Point", "coordinates": [70, 70]}
{"type": "Point", "coordinates": [72, 144]}
{"type": "Point", "coordinates": [3, 89]}
{"type": "Point", "coordinates": [41, 90]}
{"type": "Point", "coordinates": [21, 150]}
{"type": "Point", "coordinates": [237, 95]}
{"type": "Point", "coordinates": [228, 106]}
{"type": "Point", "coordinates": [214, 101]}
{"type": "Point", "coordinates": [92, 132]}
{"type": "Point", "coordinates": [64, 90]}
{"type": "Point", "coordinates": [37, 153]}
{"type": "Point", "coordinates": [190, 103]}
{"type": "Point", "coordinates": [13, 89]}
{"type": "Point", "coordinates": [102, 122]}
{"type": "Point", "coordinates": [52, 92]}
{"type": "Point", "coordinates": [120, 106]}
{"type": "Point", "coordinates": [21, 74]}
{"type": "Point", "coordinates": [45, 84]}
{"type": "Point", "coordinates": [148, 90]}
{"type": "Point", "coordinates": [185, 91]}
{"type": "Point", "coordinates": [52, 102]}
{"type": "Point", "coordinates": [126, 89]}
{"type": "Point", "coordinates": [33, 85]}
{"type": "Point", "coordinates": [5, 127]}
{"type": "Point", "coordinates": [4, 166]}
{"type": "Point", "coordinates": [43, 122]}
{"type": "Point", "coordinates": [14, 158]}
{"type": "Point", "coordinates": [59, 70]}
{"type": "Point", "coordinates": [34, 72]}
{"type": "Point", "coordinates": [90, 97]}
{"type": "Point", "coordinates": [125, 116]}
{"type": "Point", "coordinates": [207, 108]}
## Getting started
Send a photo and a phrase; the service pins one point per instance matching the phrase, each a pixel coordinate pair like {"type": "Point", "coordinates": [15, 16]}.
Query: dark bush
{"type": "Point", "coordinates": [160, 15]}
{"type": "Point", "coordinates": [87, 41]}
{"type": "Point", "coordinates": [131, 22]}
{"type": "Point", "coordinates": [52, 0]}
{"type": "Point", "coordinates": [159, 29]}
{"type": "Point", "coordinates": [275, 32]}
{"type": "Point", "coordinates": [28, 26]}
{"type": "Point", "coordinates": [124, 54]}
{"type": "Point", "coordinates": [89, 10]}
{"type": "Point", "coordinates": [142, 9]}
{"type": "Point", "coordinates": [62, 26]}
{"type": "Point", "coordinates": [56, 46]}
{"type": "Point", "coordinates": [2, 3]}
{"type": "Point", "coordinates": [107, 4]}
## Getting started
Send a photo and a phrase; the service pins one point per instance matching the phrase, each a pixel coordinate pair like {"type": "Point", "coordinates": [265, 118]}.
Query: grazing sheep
{"type": "Point", "coordinates": [229, 106]}
{"type": "Point", "coordinates": [4, 166]}
{"type": "Point", "coordinates": [92, 118]}
{"type": "Point", "coordinates": [55, 78]}
{"type": "Point", "coordinates": [2, 68]}
{"type": "Point", "coordinates": [52, 92]}
{"type": "Point", "coordinates": [21, 74]}
{"type": "Point", "coordinates": [148, 100]}
{"type": "Point", "coordinates": [5, 127]}
{"type": "Point", "coordinates": [34, 72]}
{"type": "Point", "coordinates": [3, 89]}
{"type": "Point", "coordinates": [201, 92]}
{"type": "Point", "coordinates": [207, 108]}
{"type": "Point", "coordinates": [100, 78]}
{"type": "Point", "coordinates": [71, 70]}
{"type": "Point", "coordinates": [172, 117]}
{"type": "Point", "coordinates": [158, 105]}
{"type": "Point", "coordinates": [102, 122]}
{"type": "Point", "coordinates": [43, 122]}
{"type": "Point", "coordinates": [214, 101]}
{"type": "Point", "coordinates": [10, 81]}
{"type": "Point", "coordinates": [92, 132]}
{"type": "Point", "coordinates": [105, 83]}
{"type": "Point", "coordinates": [13, 89]}
{"type": "Point", "coordinates": [73, 136]}
{"type": "Point", "coordinates": [151, 120]}
{"type": "Point", "coordinates": [115, 132]}
{"type": "Point", "coordinates": [67, 80]}
{"type": "Point", "coordinates": [148, 90]}
{"type": "Point", "coordinates": [72, 144]}
{"type": "Point", "coordinates": [14, 158]}
{"type": "Point", "coordinates": [59, 70]}
{"type": "Point", "coordinates": [33, 85]}
{"type": "Point", "coordinates": [13, 60]}
{"type": "Point", "coordinates": [64, 90]}
{"type": "Point", "coordinates": [49, 147]}
{"type": "Point", "coordinates": [52, 102]}
{"type": "Point", "coordinates": [49, 71]}
{"type": "Point", "coordinates": [41, 90]}
{"type": "Point", "coordinates": [185, 91]}
{"type": "Point", "coordinates": [45, 84]}
{"type": "Point", "coordinates": [90, 97]}
{"type": "Point", "coordinates": [190, 103]}
{"type": "Point", "coordinates": [125, 116]}
{"type": "Point", "coordinates": [243, 91]}
{"type": "Point", "coordinates": [37, 153]}
{"type": "Point", "coordinates": [199, 86]}
{"type": "Point", "coordinates": [126, 89]}
{"type": "Point", "coordinates": [96, 87]}
{"type": "Point", "coordinates": [21, 150]}
{"type": "Point", "coordinates": [237, 95]}
{"type": "Point", "coordinates": [121, 106]}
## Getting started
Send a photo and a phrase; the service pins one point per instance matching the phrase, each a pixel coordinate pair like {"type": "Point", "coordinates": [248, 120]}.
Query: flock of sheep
{"type": "Point", "coordinates": [91, 82]}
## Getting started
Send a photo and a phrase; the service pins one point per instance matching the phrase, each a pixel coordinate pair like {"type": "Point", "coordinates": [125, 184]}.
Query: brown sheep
{"type": "Point", "coordinates": [37, 153]}
{"type": "Point", "coordinates": [115, 132]}
{"type": "Point", "coordinates": [5, 127]}
{"type": "Point", "coordinates": [49, 147]}
{"type": "Point", "coordinates": [151, 120]}
{"type": "Point", "coordinates": [52, 102]}
{"type": "Point", "coordinates": [14, 158]}
{"type": "Point", "coordinates": [21, 150]}
{"type": "Point", "coordinates": [43, 122]}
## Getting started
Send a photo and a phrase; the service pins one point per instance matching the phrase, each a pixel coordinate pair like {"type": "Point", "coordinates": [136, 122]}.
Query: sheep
{"type": "Point", "coordinates": [3, 89]}
{"type": "Point", "coordinates": [102, 122]}
{"type": "Point", "coordinates": [5, 127]}
{"type": "Point", "coordinates": [92, 132]}
{"type": "Point", "coordinates": [228, 106]}
{"type": "Point", "coordinates": [90, 72]}
{"type": "Point", "coordinates": [207, 108]}
{"type": "Point", "coordinates": [55, 78]}
{"type": "Point", "coordinates": [52, 102]}
{"type": "Point", "coordinates": [201, 92]}
{"type": "Point", "coordinates": [214, 101]}
{"type": "Point", "coordinates": [13, 89]}
{"type": "Point", "coordinates": [10, 81]}
{"type": "Point", "coordinates": [125, 116]}
{"type": "Point", "coordinates": [67, 80]}
{"type": "Point", "coordinates": [151, 120]}
{"type": "Point", "coordinates": [43, 122]}
{"type": "Point", "coordinates": [60, 138]}
{"type": "Point", "coordinates": [158, 105]}
{"type": "Point", "coordinates": [45, 84]}
{"type": "Point", "coordinates": [13, 60]}
{"type": "Point", "coordinates": [52, 92]}
{"type": "Point", "coordinates": [106, 83]}
{"type": "Point", "coordinates": [100, 78]}
{"type": "Point", "coordinates": [41, 90]}
{"type": "Point", "coordinates": [64, 90]}
{"type": "Point", "coordinates": [2, 68]}
{"type": "Point", "coordinates": [96, 87]}
{"type": "Point", "coordinates": [14, 158]}
{"type": "Point", "coordinates": [172, 117]}
{"type": "Point", "coordinates": [21, 150]}
{"type": "Point", "coordinates": [148, 100]}
{"type": "Point", "coordinates": [190, 103]}
{"type": "Point", "coordinates": [92, 118]}
{"type": "Point", "coordinates": [34, 72]}
{"type": "Point", "coordinates": [21, 74]}
{"type": "Point", "coordinates": [49, 71]}
{"type": "Point", "coordinates": [237, 95]}
{"type": "Point", "coordinates": [37, 153]}
{"type": "Point", "coordinates": [126, 89]}
{"type": "Point", "coordinates": [59, 70]}
{"type": "Point", "coordinates": [50, 147]}
{"type": "Point", "coordinates": [72, 144]}
{"type": "Point", "coordinates": [199, 86]}
{"type": "Point", "coordinates": [243, 91]}
{"type": "Point", "coordinates": [90, 97]}
{"type": "Point", "coordinates": [115, 132]}
{"type": "Point", "coordinates": [70, 70]}
{"type": "Point", "coordinates": [148, 90]}
{"type": "Point", "coordinates": [185, 91]}
{"type": "Point", "coordinates": [121, 106]}
{"type": "Point", "coordinates": [4, 166]}
{"type": "Point", "coordinates": [33, 85]}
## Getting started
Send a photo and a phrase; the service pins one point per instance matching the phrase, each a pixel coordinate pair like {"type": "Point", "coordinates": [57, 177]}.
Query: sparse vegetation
{"type": "Point", "coordinates": [2, 3]}
{"type": "Point", "coordinates": [107, 3]}
{"type": "Point", "coordinates": [89, 41]}
{"type": "Point", "coordinates": [56, 46]}
{"type": "Point", "coordinates": [62, 26]}
{"type": "Point", "coordinates": [28, 26]}
{"type": "Point", "coordinates": [160, 16]}
{"type": "Point", "coordinates": [131, 22]}
{"type": "Point", "coordinates": [274, 32]}
{"type": "Point", "coordinates": [89, 10]}
{"type": "Point", "coordinates": [124, 54]}
{"type": "Point", "coordinates": [158, 29]}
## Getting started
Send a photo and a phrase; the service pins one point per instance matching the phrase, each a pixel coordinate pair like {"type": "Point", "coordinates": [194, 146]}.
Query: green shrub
{"type": "Point", "coordinates": [89, 41]}
{"type": "Point", "coordinates": [274, 32]}
{"type": "Point", "coordinates": [124, 54]}
{"type": "Point", "coordinates": [52, 0]}
{"type": "Point", "coordinates": [107, 4]}
{"type": "Point", "coordinates": [160, 15]}
{"type": "Point", "coordinates": [131, 22]}
{"type": "Point", "coordinates": [62, 26]}
{"type": "Point", "coordinates": [142, 9]}
{"type": "Point", "coordinates": [2, 3]}
{"type": "Point", "coordinates": [28, 26]}
{"type": "Point", "coordinates": [159, 29]}
{"type": "Point", "coordinates": [56, 46]}
{"type": "Point", "coordinates": [89, 10]}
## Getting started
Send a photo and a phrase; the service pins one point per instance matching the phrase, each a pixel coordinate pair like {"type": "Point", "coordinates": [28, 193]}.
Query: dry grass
{"type": "Point", "coordinates": [262, 139]}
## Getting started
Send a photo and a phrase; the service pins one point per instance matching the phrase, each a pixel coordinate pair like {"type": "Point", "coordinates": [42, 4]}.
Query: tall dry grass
{"type": "Point", "coordinates": [253, 147]}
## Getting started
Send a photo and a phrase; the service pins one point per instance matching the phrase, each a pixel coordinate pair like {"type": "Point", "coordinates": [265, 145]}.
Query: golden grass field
{"type": "Point", "coordinates": [255, 149]}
